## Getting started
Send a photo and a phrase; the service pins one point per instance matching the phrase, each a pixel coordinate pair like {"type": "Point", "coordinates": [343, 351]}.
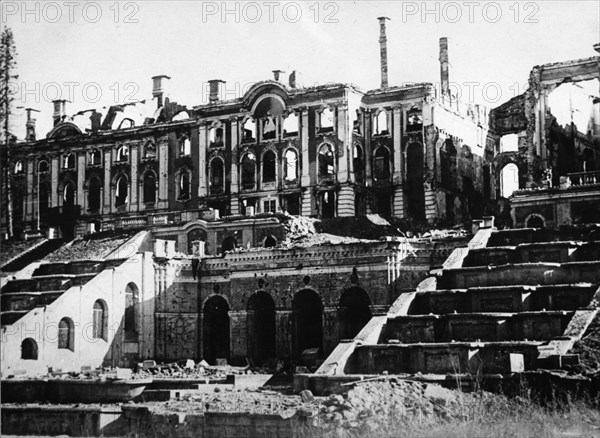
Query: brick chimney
{"type": "Point", "coordinates": [60, 111]}
{"type": "Point", "coordinates": [96, 120]}
{"type": "Point", "coordinates": [444, 76]}
{"type": "Point", "coordinates": [158, 88]}
{"type": "Point", "coordinates": [277, 74]}
{"type": "Point", "coordinates": [383, 52]}
{"type": "Point", "coordinates": [30, 125]}
{"type": "Point", "coordinates": [214, 90]}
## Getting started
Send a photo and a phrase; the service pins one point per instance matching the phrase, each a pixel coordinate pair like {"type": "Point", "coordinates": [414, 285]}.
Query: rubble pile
{"type": "Point", "coordinates": [189, 370]}
{"type": "Point", "coordinates": [88, 249]}
{"type": "Point", "coordinates": [13, 248]}
{"type": "Point", "coordinates": [393, 402]}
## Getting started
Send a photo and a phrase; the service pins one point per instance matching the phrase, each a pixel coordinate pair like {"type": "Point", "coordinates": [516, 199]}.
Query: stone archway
{"type": "Point", "coordinates": [215, 329]}
{"type": "Point", "coordinates": [307, 320]}
{"type": "Point", "coordinates": [353, 312]}
{"type": "Point", "coordinates": [261, 327]}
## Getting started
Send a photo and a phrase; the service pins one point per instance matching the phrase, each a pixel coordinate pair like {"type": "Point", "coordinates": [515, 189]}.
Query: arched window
{"type": "Point", "coordinates": [95, 158]}
{"type": "Point", "coordinates": [269, 128]}
{"type": "Point", "coordinates": [66, 334]}
{"type": "Point", "coordinates": [326, 117]}
{"type": "Point", "coordinates": [381, 163]}
{"type": "Point", "coordinates": [249, 130]}
{"type": "Point", "coordinates": [19, 167]}
{"type": "Point", "coordinates": [290, 125]}
{"type": "Point", "coordinates": [184, 185]}
{"type": "Point", "coordinates": [69, 161]}
{"type": "Point", "coordinates": [121, 191]}
{"type": "Point", "coordinates": [123, 154]}
{"type": "Point", "coordinates": [215, 136]}
{"type": "Point", "coordinates": [248, 179]}
{"type": "Point", "coordinates": [100, 320]}
{"type": "Point", "coordinates": [509, 180]}
{"type": "Point", "coordinates": [269, 167]}
{"type": "Point", "coordinates": [448, 164]}
{"type": "Point", "coordinates": [94, 194]}
{"type": "Point", "coordinates": [149, 188]}
{"type": "Point", "coordinates": [69, 195]}
{"type": "Point", "coordinates": [326, 161]}
{"type": "Point", "coordinates": [217, 171]}
{"type": "Point", "coordinates": [414, 119]}
{"type": "Point", "coordinates": [381, 123]}
{"type": "Point", "coordinates": [149, 150]}
{"type": "Point", "coordinates": [270, 242]}
{"type": "Point", "coordinates": [29, 349]}
{"type": "Point", "coordinates": [359, 164]}
{"type": "Point", "coordinates": [130, 323]}
{"type": "Point", "coordinates": [290, 167]}
{"type": "Point", "coordinates": [43, 166]}
{"type": "Point", "coordinates": [357, 123]}
{"type": "Point", "coordinates": [44, 196]}
{"type": "Point", "coordinates": [185, 147]}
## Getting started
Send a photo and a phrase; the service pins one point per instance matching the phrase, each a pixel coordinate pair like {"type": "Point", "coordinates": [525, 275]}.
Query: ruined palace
{"type": "Point", "coordinates": [160, 231]}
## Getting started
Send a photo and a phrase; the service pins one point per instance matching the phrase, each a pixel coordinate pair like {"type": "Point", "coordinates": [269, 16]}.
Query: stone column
{"type": "Point", "coordinates": [54, 180]}
{"type": "Point", "coordinates": [307, 198]}
{"type": "Point", "coordinates": [134, 151]}
{"type": "Point", "coordinates": [368, 152]}
{"type": "Point", "coordinates": [330, 329]}
{"type": "Point", "coordinates": [398, 175]}
{"type": "Point", "coordinates": [30, 198]}
{"type": "Point", "coordinates": [283, 332]}
{"type": "Point", "coordinates": [238, 342]}
{"type": "Point", "coordinates": [81, 201]}
{"type": "Point", "coordinates": [163, 173]}
{"type": "Point", "coordinates": [234, 203]}
{"type": "Point", "coordinates": [107, 205]}
{"type": "Point", "coordinates": [202, 164]}
{"type": "Point", "coordinates": [342, 135]}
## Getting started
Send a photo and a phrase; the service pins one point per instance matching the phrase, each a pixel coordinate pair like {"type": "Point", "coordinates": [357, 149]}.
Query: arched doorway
{"type": "Point", "coordinates": [215, 329]}
{"type": "Point", "coordinates": [535, 221]}
{"type": "Point", "coordinates": [353, 312]}
{"type": "Point", "coordinates": [261, 327]}
{"type": "Point", "coordinates": [415, 192]}
{"type": "Point", "coordinates": [307, 311]}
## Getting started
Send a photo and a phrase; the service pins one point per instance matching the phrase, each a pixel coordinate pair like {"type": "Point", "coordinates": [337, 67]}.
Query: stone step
{"type": "Point", "coordinates": [516, 298]}
{"type": "Point", "coordinates": [442, 358]}
{"type": "Point", "coordinates": [471, 327]}
{"type": "Point", "coordinates": [520, 274]}
{"type": "Point", "coordinates": [27, 300]}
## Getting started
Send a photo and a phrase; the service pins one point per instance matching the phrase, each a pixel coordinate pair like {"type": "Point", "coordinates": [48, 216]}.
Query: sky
{"type": "Point", "coordinates": [102, 53]}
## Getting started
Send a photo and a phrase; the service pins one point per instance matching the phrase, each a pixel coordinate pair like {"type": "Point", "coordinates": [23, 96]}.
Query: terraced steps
{"type": "Point", "coordinates": [512, 301]}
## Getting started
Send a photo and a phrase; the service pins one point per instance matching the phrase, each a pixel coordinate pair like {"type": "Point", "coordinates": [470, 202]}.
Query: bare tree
{"type": "Point", "coordinates": [8, 65]}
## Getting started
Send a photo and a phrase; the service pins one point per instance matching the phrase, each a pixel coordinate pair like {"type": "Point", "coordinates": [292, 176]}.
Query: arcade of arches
{"type": "Point", "coordinates": [267, 331]}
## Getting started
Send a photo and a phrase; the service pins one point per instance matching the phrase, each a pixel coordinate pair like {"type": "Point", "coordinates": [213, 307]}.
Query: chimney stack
{"type": "Point", "coordinates": [444, 76]}
{"type": "Point", "coordinates": [158, 88]}
{"type": "Point", "coordinates": [277, 74]}
{"type": "Point", "coordinates": [214, 91]}
{"type": "Point", "coordinates": [292, 79]}
{"type": "Point", "coordinates": [60, 111]}
{"type": "Point", "coordinates": [96, 120]}
{"type": "Point", "coordinates": [30, 125]}
{"type": "Point", "coordinates": [383, 52]}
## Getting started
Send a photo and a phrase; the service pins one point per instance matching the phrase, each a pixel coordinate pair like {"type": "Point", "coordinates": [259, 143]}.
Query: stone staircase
{"type": "Point", "coordinates": [513, 301]}
{"type": "Point", "coordinates": [37, 252]}
{"type": "Point", "coordinates": [48, 282]}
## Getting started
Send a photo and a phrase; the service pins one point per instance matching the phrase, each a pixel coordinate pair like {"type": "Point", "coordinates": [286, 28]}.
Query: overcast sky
{"type": "Point", "coordinates": [111, 50]}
